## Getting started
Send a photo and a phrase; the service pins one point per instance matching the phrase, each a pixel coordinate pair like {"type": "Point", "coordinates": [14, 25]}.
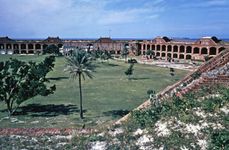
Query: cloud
{"type": "Point", "coordinates": [50, 16]}
{"type": "Point", "coordinates": [216, 2]}
{"type": "Point", "coordinates": [205, 4]}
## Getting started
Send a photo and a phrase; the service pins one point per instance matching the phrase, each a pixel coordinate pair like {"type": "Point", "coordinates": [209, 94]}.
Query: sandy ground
{"type": "Point", "coordinates": [162, 63]}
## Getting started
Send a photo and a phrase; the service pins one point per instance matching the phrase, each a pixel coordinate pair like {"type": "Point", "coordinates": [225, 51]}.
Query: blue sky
{"type": "Point", "coordinates": [117, 18]}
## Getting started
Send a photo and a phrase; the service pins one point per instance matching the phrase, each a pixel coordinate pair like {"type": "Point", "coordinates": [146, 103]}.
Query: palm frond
{"type": "Point", "coordinates": [89, 74]}
{"type": "Point", "coordinates": [79, 63]}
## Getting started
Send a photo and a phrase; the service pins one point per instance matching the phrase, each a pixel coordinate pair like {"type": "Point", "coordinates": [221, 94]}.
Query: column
{"type": "Point", "coordinates": [217, 50]}
{"type": "Point", "coordinates": [26, 48]}
{"type": "Point", "coordinates": [142, 48]}
{"type": "Point", "coordinates": [166, 52]}
{"type": "Point", "coordinates": [178, 51]}
{"type": "Point", "coordinates": [208, 51]}
{"type": "Point", "coordinates": [5, 46]}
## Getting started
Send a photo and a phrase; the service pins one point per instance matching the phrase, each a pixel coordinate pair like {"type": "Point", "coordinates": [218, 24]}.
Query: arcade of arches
{"type": "Point", "coordinates": [9, 46]}
{"type": "Point", "coordinates": [195, 50]}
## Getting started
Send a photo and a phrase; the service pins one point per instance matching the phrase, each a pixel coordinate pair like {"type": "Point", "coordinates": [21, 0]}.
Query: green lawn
{"type": "Point", "coordinates": [108, 96]}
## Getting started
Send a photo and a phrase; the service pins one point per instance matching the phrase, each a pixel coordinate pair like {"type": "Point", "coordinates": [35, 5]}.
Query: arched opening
{"type": "Point", "coordinates": [144, 46]}
{"type": "Point", "coordinates": [16, 46]}
{"type": "Point", "coordinates": [162, 54]}
{"type": "Point", "coordinates": [169, 48]}
{"type": "Point", "coordinates": [10, 52]}
{"type": "Point", "coordinates": [16, 51]}
{"type": "Point", "coordinates": [181, 56]}
{"type": "Point", "coordinates": [221, 49]}
{"type": "Point", "coordinates": [169, 55]}
{"type": "Point", "coordinates": [30, 46]}
{"type": "Point", "coordinates": [30, 52]}
{"type": "Point", "coordinates": [196, 50]}
{"type": "Point", "coordinates": [188, 49]}
{"type": "Point", "coordinates": [112, 52]}
{"type": "Point", "coordinates": [174, 55]}
{"type": "Point", "coordinates": [60, 45]}
{"type": "Point", "coordinates": [8, 46]}
{"type": "Point", "coordinates": [1, 46]}
{"type": "Point", "coordinates": [158, 54]}
{"type": "Point", "coordinates": [2, 52]}
{"type": "Point", "coordinates": [148, 47]}
{"type": "Point", "coordinates": [38, 46]}
{"type": "Point", "coordinates": [188, 57]}
{"type": "Point", "coordinates": [158, 47]}
{"type": "Point", "coordinates": [204, 50]}
{"type": "Point", "coordinates": [181, 49]}
{"type": "Point", "coordinates": [153, 47]}
{"type": "Point", "coordinates": [212, 51]}
{"type": "Point", "coordinates": [163, 48]}
{"type": "Point", "coordinates": [23, 52]}
{"type": "Point", "coordinates": [144, 52]}
{"type": "Point", "coordinates": [175, 48]}
{"type": "Point", "coordinates": [44, 46]}
{"type": "Point", "coordinates": [23, 46]}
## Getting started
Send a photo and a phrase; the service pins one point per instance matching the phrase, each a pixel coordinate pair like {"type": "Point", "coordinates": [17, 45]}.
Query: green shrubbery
{"type": "Point", "coordinates": [183, 109]}
{"type": "Point", "coordinates": [219, 140]}
{"type": "Point", "coordinates": [21, 81]}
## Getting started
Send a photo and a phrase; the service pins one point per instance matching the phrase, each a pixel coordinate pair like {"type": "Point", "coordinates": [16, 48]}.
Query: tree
{"type": "Point", "coordinates": [125, 53]}
{"type": "Point", "coordinates": [150, 53]}
{"type": "Point", "coordinates": [172, 71]}
{"type": "Point", "coordinates": [105, 56]}
{"type": "Point", "coordinates": [129, 71]}
{"type": "Point", "coordinates": [151, 93]}
{"type": "Point", "coordinates": [52, 49]}
{"type": "Point", "coordinates": [20, 81]}
{"type": "Point", "coordinates": [80, 65]}
{"type": "Point", "coordinates": [153, 97]}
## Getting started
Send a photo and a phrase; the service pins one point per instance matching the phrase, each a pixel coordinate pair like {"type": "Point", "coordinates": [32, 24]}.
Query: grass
{"type": "Point", "coordinates": [107, 97]}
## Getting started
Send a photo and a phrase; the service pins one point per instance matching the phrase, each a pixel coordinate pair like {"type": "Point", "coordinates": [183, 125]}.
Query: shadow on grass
{"type": "Point", "coordinates": [109, 64]}
{"type": "Point", "coordinates": [58, 78]}
{"type": "Point", "coordinates": [116, 113]}
{"type": "Point", "coordinates": [112, 65]}
{"type": "Point", "coordinates": [49, 110]}
{"type": "Point", "coordinates": [141, 78]}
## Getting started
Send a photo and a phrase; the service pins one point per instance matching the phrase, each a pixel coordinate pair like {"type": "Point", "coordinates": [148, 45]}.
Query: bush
{"type": "Point", "coordinates": [132, 61]}
{"type": "Point", "coordinates": [219, 140]}
{"type": "Point", "coordinates": [147, 117]}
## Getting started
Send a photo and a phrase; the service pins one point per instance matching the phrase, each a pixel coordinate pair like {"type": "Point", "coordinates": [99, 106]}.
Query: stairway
{"type": "Point", "coordinates": [194, 79]}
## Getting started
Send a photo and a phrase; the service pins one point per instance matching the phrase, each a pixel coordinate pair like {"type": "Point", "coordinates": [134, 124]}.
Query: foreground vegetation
{"type": "Point", "coordinates": [108, 96]}
{"type": "Point", "coordinates": [196, 121]}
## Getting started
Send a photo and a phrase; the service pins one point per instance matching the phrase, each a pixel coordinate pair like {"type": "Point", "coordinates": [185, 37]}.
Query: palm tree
{"type": "Point", "coordinates": [80, 65]}
{"type": "Point", "coordinates": [125, 53]}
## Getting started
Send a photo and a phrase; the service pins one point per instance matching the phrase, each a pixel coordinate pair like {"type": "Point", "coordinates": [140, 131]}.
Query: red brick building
{"type": "Point", "coordinates": [163, 47]}
{"type": "Point", "coordinates": [184, 49]}
{"type": "Point", "coordinates": [103, 43]}
{"type": "Point", "coordinates": [11, 46]}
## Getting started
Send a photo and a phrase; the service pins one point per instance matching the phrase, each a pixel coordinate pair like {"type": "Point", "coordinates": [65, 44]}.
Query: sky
{"type": "Point", "coordinates": [114, 18]}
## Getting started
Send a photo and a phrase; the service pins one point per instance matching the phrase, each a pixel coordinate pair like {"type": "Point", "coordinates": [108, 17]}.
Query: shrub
{"type": "Point", "coordinates": [219, 140]}
{"type": "Point", "coordinates": [132, 60]}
